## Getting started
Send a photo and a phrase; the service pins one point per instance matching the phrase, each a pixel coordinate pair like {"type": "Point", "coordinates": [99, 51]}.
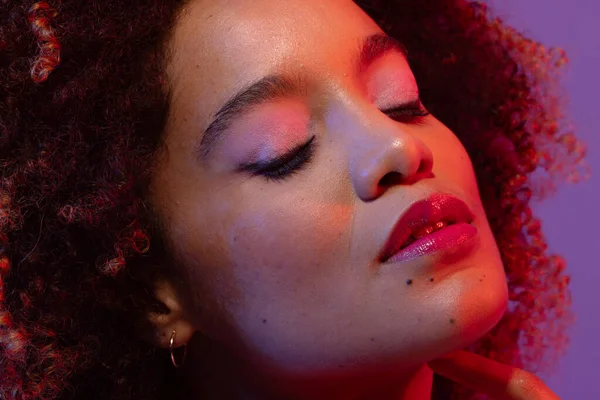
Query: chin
{"type": "Point", "coordinates": [461, 309]}
{"type": "Point", "coordinates": [481, 301]}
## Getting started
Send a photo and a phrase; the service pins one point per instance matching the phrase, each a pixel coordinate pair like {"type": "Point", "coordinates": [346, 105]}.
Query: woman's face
{"type": "Point", "coordinates": [287, 269]}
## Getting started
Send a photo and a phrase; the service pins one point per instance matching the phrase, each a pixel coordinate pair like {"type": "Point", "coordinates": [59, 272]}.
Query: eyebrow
{"type": "Point", "coordinates": [278, 86]}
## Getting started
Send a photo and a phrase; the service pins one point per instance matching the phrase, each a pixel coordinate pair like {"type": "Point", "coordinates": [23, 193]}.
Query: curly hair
{"type": "Point", "coordinates": [83, 103]}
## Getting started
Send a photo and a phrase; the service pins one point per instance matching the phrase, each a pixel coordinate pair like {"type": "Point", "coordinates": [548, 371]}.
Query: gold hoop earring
{"type": "Point", "coordinates": [171, 341]}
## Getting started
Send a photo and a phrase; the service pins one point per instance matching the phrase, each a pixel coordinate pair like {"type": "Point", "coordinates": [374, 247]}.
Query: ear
{"type": "Point", "coordinates": [158, 327]}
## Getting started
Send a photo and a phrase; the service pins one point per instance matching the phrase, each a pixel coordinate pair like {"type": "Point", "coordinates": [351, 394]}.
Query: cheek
{"type": "Point", "coordinates": [451, 163]}
{"type": "Point", "coordinates": [264, 247]}
{"type": "Point", "coordinates": [275, 243]}
{"type": "Point", "coordinates": [281, 257]}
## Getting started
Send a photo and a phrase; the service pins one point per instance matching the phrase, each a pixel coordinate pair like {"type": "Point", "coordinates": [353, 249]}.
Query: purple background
{"type": "Point", "coordinates": [570, 218]}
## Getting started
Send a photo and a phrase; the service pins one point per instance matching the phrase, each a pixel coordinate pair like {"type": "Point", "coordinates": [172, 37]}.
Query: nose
{"type": "Point", "coordinates": [393, 157]}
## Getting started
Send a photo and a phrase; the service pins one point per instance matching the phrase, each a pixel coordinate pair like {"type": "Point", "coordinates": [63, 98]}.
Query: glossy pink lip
{"type": "Point", "coordinates": [458, 236]}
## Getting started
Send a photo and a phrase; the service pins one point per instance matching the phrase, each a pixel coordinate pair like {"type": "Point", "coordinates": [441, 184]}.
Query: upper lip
{"type": "Point", "coordinates": [436, 208]}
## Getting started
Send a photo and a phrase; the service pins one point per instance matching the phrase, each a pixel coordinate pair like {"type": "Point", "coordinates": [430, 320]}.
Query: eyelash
{"type": "Point", "coordinates": [411, 114]}
{"type": "Point", "coordinates": [283, 167]}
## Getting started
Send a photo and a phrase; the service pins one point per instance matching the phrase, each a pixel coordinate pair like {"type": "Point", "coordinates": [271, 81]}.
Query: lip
{"type": "Point", "coordinates": [456, 238]}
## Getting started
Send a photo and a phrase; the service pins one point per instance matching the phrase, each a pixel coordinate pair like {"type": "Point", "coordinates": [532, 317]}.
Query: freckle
{"type": "Point", "coordinates": [452, 321]}
{"type": "Point", "coordinates": [264, 321]}
{"type": "Point", "coordinates": [372, 339]}
{"type": "Point", "coordinates": [409, 281]}
{"type": "Point", "coordinates": [480, 280]}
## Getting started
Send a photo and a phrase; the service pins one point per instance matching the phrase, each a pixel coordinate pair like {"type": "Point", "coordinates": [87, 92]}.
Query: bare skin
{"type": "Point", "coordinates": [283, 295]}
{"type": "Point", "coordinates": [501, 382]}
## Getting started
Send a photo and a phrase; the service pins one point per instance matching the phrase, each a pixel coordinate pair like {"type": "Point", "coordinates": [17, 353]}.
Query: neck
{"type": "Point", "coordinates": [212, 373]}
{"type": "Point", "coordinates": [413, 384]}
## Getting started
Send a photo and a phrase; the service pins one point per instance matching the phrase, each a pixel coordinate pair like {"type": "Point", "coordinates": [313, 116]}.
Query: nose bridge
{"type": "Point", "coordinates": [378, 149]}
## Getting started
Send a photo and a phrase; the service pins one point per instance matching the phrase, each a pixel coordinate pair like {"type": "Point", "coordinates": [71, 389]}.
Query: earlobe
{"type": "Point", "coordinates": [183, 332]}
{"type": "Point", "coordinates": [159, 326]}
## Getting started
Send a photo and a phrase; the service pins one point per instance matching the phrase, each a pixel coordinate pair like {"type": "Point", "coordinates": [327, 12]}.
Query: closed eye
{"type": "Point", "coordinates": [412, 112]}
{"type": "Point", "coordinates": [284, 166]}
{"type": "Point", "coordinates": [287, 165]}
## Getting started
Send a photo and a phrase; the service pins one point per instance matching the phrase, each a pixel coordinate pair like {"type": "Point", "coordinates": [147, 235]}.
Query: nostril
{"type": "Point", "coordinates": [425, 166]}
{"type": "Point", "coordinates": [391, 178]}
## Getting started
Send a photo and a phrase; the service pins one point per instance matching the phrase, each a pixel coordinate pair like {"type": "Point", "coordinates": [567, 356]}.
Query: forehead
{"type": "Point", "coordinates": [221, 46]}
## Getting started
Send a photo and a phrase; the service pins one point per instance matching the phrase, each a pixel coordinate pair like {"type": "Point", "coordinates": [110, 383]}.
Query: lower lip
{"type": "Point", "coordinates": [452, 242]}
